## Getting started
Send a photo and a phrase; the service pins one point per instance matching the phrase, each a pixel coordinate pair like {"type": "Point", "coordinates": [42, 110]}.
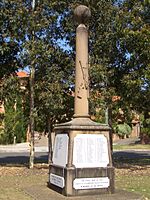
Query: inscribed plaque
{"type": "Point", "coordinates": [60, 154]}
{"type": "Point", "coordinates": [57, 180]}
{"type": "Point", "coordinates": [90, 150]}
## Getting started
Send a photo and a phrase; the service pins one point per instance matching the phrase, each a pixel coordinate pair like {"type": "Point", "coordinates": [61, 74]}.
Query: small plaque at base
{"type": "Point", "coordinates": [57, 180]}
{"type": "Point", "coordinates": [91, 183]}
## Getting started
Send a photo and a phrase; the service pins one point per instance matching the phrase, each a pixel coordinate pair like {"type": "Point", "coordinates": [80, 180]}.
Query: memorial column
{"type": "Point", "coordinates": [81, 107]}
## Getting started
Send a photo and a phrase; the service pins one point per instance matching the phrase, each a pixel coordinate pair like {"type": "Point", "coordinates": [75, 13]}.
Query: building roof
{"type": "Point", "coordinates": [22, 74]}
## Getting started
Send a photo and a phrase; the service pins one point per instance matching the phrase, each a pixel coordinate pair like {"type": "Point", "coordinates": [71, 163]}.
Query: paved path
{"type": "Point", "coordinates": [44, 193]}
{"type": "Point", "coordinates": [22, 147]}
{"type": "Point", "coordinates": [42, 145]}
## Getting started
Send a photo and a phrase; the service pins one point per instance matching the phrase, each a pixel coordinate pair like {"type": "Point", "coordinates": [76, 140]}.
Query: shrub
{"type": "Point", "coordinates": [123, 129]}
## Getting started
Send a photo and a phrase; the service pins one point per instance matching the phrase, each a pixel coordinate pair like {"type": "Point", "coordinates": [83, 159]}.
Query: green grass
{"type": "Point", "coordinates": [134, 183]}
{"type": "Point", "coordinates": [136, 146]}
{"type": "Point", "coordinates": [133, 175]}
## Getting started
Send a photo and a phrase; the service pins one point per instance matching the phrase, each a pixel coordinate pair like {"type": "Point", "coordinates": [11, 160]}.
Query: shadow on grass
{"type": "Point", "coordinates": [22, 160]}
{"type": "Point", "coordinates": [121, 159]}
{"type": "Point", "coordinates": [127, 159]}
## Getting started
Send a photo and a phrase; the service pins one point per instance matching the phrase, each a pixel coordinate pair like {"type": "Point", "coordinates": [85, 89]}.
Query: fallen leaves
{"type": "Point", "coordinates": [39, 169]}
{"type": "Point", "coordinates": [133, 170]}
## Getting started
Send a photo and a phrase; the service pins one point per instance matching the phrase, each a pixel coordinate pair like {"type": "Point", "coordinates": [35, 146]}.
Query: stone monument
{"type": "Point", "coordinates": [82, 160]}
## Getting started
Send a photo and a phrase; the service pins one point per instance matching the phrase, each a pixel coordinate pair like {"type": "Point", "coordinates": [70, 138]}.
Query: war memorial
{"type": "Point", "coordinates": [82, 160]}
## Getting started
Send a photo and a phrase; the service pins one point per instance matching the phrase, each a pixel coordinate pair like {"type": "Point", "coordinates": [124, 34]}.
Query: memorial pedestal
{"type": "Point", "coordinates": [82, 161]}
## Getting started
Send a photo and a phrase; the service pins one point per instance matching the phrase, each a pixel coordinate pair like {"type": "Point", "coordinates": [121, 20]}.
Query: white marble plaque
{"type": "Point", "coordinates": [91, 183]}
{"type": "Point", "coordinates": [57, 180]}
{"type": "Point", "coordinates": [90, 150]}
{"type": "Point", "coordinates": [60, 154]}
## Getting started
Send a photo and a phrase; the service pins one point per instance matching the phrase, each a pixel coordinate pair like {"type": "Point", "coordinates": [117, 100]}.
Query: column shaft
{"type": "Point", "coordinates": [81, 78]}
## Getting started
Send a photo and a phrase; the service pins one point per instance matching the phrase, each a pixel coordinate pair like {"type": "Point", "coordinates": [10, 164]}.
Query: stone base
{"type": "Point", "coordinates": [82, 168]}
{"type": "Point", "coordinates": [70, 174]}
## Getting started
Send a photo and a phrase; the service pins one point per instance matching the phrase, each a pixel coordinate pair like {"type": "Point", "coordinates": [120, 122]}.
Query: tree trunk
{"type": "Point", "coordinates": [32, 74]}
{"type": "Point", "coordinates": [111, 131]}
{"type": "Point", "coordinates": [49, 142]}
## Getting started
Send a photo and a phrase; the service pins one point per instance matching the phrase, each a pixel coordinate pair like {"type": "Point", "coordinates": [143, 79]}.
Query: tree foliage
{"type": "Point", "coordinates": [44, 37]}
{"type": "Point", "coordinates": [54, 81]}
{"type": "Point", "coordinates": [14, 119]}
{"type": "Point", "coordinates": [35, 31]}
{"type": "Point", "coordinates": [131, 58]}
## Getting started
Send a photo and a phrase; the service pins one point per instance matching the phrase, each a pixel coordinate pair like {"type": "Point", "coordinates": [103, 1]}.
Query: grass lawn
{"type": "Point", "coordinates": [129, 176]}
{"type": "Point", "coordinates": [133, 174]}
{"type": "Point", "coordinates": [134, 180]}
{"type": "Point", "coordinates": [14, 180]}
{"type": "Point", "coordinates": [133, 146]}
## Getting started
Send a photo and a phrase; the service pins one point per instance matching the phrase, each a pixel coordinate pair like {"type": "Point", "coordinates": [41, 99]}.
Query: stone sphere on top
{"type": "Point", "coordinates": [82, 14]}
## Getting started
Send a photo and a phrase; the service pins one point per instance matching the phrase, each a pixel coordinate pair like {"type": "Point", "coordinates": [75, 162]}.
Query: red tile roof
{"type": "Point", "coordinates": [22, 74]}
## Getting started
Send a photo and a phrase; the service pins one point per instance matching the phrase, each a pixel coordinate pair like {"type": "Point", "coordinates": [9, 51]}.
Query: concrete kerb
{"type": "Point", "coordinates": [127, 141]}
